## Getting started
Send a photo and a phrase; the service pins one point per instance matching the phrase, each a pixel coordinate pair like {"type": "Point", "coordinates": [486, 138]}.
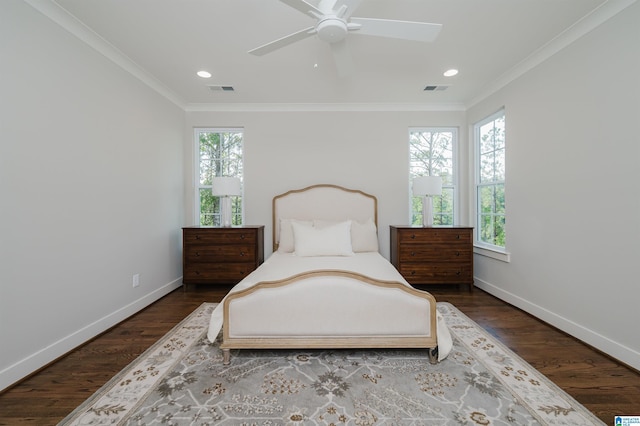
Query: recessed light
{"type": "Point", "coordinates": [451, 72]}
{"type": "Point", "coordinates": [204, 74]}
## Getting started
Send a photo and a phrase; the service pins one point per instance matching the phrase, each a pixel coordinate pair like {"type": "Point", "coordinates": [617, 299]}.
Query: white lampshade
{"type": "Point", "coordinates": [427, 185]}
{"type": "Point", "coordinates": [226, 186]}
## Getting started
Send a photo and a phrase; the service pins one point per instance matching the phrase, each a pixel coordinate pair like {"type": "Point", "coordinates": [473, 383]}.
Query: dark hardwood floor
{"type": "Point", "coordinates": [604, 386]}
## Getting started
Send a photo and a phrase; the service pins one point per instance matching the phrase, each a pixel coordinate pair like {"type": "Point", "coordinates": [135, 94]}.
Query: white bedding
{"type": "Point", "coordinates": [283, 265]}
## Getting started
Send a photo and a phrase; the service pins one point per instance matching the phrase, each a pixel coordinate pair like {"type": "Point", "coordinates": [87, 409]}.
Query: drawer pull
{"type": "Point", "coordinates": [458, 273]}
{"type": "Point", "coordinates": [197, 254]}
{"type": "Point", "coordinates": [413, 272]}
{"type": "Point", "coordinates": [458, 237]}
{"type": "Point", "coordinates": [457, 253]}
{"type": "Point", "coordinates": [197, 237]}
{"type": "Point", "coordinates": [413, 253]}
{"type": "Point", "coordinates": [242, 236]}
{"type": "Point", "coordinates": [413, 236]}
{"type": "Point", "coordinates": [197, 272]}
{"type": "Point", "coordinates": [241, 253]}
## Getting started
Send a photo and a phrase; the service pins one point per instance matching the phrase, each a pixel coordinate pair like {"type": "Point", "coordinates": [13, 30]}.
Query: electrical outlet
{"type": "Point", "coordinates": [136, 280]}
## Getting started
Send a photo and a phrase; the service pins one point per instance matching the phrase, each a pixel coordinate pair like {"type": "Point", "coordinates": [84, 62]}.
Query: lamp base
{"type": "Point", "coordinates": [225, 212]}
{"type": "Point", "coordinates": [427, 211]}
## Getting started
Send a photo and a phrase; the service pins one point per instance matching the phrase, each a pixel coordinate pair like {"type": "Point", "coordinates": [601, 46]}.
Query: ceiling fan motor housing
{"type": "Point", "coordinates": [332, 29]}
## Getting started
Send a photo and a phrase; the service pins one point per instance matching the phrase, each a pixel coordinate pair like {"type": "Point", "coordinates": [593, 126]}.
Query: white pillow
{"type": "Point", "coordinates": [285, 240]}
{"type": "Point", "coordinates": [364, 235]}
{"type": "Point", "coordinates": [333, 240]}
{"type": "Point", "coordinates": [320, 224]}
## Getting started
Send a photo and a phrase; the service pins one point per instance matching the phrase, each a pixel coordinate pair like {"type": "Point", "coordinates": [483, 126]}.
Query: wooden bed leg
{"type": "Point", "coordinates": [226, 356]}
{"type": "Point", "coordinates": [433, 355]}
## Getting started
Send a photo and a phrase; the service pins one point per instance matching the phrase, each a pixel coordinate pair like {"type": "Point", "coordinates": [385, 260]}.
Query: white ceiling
{"type": "Point", "coordinates": [167, 41]}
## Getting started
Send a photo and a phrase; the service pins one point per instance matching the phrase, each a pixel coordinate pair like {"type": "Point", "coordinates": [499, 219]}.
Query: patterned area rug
{"type": "Point", "coordinates": [181, 381]}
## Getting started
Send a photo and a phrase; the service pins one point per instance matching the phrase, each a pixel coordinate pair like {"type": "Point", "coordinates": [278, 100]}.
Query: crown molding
{"type": "Point", "coordinates": [64, 19]}
{"type": "Point", "coordinates": [322, 107]}
{"type": "Point", "coordinates": [597, 17]}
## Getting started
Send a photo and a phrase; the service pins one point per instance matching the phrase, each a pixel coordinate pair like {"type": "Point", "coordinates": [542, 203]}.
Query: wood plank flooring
{"type": "Point", "coordinates": [604, 386]}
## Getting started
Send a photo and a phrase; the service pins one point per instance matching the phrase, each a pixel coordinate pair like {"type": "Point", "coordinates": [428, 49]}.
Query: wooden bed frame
{"type": "Point", "coordinates": [329, 308]}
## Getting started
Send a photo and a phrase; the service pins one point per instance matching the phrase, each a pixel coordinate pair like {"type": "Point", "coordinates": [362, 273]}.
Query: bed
{"type": "Point", "coordinates": [326, 286]}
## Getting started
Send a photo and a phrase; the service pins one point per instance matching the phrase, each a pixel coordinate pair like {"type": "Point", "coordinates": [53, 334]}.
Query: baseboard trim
{"type": "Point", "coordinates": [36, 361]}
{"type": "Point", "coordinates": [602, 343]}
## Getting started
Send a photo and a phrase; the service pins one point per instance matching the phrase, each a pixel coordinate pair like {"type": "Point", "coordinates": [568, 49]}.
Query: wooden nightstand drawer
{"type": "Point", "coordinates": [443, 273]}
{"type": "Point", "coordinates": [224, 236]}
{"type": "Point", "coordinates": [206, 273]}
{"type": "Point", "coordinates": [220, 255]}
{"type": "Point", "coordinates": [434, 236]}
{"type": "Point", "coordinates": [433, 255]}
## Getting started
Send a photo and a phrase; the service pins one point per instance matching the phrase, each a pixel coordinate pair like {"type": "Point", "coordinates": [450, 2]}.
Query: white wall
{"type": "Point", "coordinates": [573, 200]}
{"type": "Point", "coordinates": [91, 190]}
{"type": "Point", "coordinates": [288, 150]}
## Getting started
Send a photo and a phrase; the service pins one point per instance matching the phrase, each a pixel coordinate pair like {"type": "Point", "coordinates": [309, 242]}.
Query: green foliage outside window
{"type": "Point", "coordinates": [220, 154]}
{"type": "Point", "coordinates": [491, 181]}
{"type": "Point", "coordinates": [492, 217]}
{"type": "Point", "coordinates": [431, 153]}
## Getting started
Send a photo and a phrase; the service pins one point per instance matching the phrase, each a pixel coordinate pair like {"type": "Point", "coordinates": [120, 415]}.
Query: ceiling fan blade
{"type": "Point", "coordinates": [282, 42]}
{"type": "Point", "coordinates": [351, 6]}
{"type": "Point", "coordinates": [405, 30]}
{"type": "Point", "coordinates": [304, 7]}
{"type": "Point", "coordinates": [342, 58]}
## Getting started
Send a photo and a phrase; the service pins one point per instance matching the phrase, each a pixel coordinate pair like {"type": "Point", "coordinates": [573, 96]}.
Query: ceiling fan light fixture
{"type": "Point", "coordinates": [334, 21]}
{"type": "Point", "coordinates": [451, 72]}
{"type": "Point", "coordinates": [332, 29]}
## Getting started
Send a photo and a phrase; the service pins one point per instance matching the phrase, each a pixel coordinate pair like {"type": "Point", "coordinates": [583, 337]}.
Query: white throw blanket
{"type": "Point", "coordinates": [284, 265]}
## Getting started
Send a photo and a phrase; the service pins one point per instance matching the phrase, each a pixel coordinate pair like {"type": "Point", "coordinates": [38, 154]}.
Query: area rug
{"type": "Point", "coordinates": [180, 380]}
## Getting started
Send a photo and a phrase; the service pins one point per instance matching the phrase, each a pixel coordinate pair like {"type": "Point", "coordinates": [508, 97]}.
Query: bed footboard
{"type": "Point", "coordinates": [329, 309]}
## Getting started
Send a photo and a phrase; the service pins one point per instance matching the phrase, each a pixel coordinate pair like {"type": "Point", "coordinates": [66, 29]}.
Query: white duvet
{"type": "Point", "coordinates": [283, 265]}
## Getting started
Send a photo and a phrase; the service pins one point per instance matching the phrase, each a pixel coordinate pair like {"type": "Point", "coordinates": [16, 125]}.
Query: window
{"type": "Point", "coordinates": [219, 153]}
{"type": "Point", "coordinates": [490, 180]}
{"type": "Point", "coordinates": [432, 152]}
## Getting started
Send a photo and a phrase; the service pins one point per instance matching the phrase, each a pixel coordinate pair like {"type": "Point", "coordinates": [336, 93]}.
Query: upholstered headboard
{"type": "Point", "coordinates": [323, 202]}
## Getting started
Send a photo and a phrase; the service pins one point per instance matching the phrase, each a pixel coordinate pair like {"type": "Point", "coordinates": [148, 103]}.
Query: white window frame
{"type": "Point", "coordinates": [196, 168]}
{"type": "Point", "coordinates": [482, 247]}
{"type": "Point", "coordinates": [455, 169]}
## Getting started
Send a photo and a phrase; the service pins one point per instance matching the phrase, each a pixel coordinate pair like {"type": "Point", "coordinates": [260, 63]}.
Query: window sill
{"type": "Point", "coordinates": [494, 254]}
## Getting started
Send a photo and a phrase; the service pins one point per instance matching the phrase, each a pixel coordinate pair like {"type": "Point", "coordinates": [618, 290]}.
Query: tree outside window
{"type": "Point", "coordinates": [220, 154]}
{"type": "Point", "coordinates": [432, 153]}
{"type": "Point", "coordinates": [490, 180]}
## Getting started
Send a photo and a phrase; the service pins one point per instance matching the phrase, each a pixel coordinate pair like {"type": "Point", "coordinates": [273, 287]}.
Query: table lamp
{"type": "Point", "coordinates": [426, 187]}
{"type": "Point", "coordinates": [225, 188]}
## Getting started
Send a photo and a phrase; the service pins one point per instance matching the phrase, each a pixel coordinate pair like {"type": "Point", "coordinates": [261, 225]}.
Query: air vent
{"type": "Point", "coordinates": [219, 88]}
{"type": "Point", "coordinates": [434, 88]}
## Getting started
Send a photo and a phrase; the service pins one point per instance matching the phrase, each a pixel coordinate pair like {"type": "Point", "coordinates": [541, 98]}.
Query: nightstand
{"type": "Point", "coordinates": [220, 255]}
{"type": "Point", "coordinates": [433, 255]}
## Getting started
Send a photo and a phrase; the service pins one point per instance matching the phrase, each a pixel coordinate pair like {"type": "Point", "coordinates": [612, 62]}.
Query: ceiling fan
{"type": "Point", "coordinates": [334, 23]}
